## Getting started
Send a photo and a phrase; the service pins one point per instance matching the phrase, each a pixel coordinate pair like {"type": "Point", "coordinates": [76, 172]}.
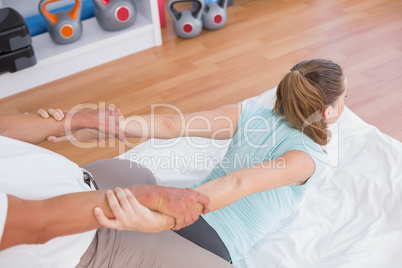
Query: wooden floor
{"type": "Point", "coordinates": [262, 40]}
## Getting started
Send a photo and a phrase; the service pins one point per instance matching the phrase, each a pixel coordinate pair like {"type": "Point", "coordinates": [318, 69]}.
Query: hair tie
{"type": "Point", "coordinates": [296, 70]}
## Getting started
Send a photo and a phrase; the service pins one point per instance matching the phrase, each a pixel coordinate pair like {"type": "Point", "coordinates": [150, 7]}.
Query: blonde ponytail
{"type": "Point", "coordinates": [305, 92]}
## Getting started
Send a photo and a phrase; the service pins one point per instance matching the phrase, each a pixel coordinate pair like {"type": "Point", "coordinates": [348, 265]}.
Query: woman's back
{"type": "Point", "coordinates": [261, 136]}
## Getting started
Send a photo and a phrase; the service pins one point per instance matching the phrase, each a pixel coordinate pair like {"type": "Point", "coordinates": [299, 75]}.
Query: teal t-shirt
{"type": "Point", "coordinates": [261, 135]}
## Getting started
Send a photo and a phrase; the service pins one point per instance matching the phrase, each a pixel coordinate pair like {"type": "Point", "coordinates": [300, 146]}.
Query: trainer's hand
{"type": "Point", "coordinates": [185, 205]}
{"type": "Point", "coordinates": [55, 113]}
{"type": "Point", "coordinates": [94, 124]}
{"type": "Point", "coordinates": [131, 215]}
{"type": "Point", "coordinates": [80, 135]}
{"type": "Point", "coordinates": [85, 134]}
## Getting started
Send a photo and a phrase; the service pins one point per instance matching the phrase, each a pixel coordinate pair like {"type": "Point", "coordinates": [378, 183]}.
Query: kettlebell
{"type": "Point", "coordinates": [65, 26]}
{"type": "Point", "coordinates": [188, 23]}
{"type": "Point", "coordinates": [215, 16]}
{"type": "Point", "coordinates": [115, 15]}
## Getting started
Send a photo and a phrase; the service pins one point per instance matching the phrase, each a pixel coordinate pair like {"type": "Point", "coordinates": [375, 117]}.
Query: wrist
{"type": "Point", "coordinates": [84, 119]}
{"type": "Point", "coordinates": [168, 222]}
{"type": "Point", "coordinates": [147, 195]}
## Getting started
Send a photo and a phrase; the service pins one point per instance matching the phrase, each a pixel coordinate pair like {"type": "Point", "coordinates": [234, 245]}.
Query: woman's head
{"type": "Point", "coordinates": [311, 96]}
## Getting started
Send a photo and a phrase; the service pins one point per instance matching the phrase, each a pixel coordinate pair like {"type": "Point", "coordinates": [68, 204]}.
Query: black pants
{"type": "Point", "coordinates": [203, 235]}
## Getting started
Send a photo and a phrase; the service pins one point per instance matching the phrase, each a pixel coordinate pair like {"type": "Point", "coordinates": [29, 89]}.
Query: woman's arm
{"type": "Point", "coordinates": [220, 123]}
{"type": "Point", "coordinates": [292, 168]}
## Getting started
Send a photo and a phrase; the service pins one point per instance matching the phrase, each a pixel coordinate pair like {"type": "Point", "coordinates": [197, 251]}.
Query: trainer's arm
{"type": "Point", "coordinates": [34, 129]}
{"type": "Point", "coordinates": [31, 128]}
{"type": "Point", "coordinates": [38, 221]}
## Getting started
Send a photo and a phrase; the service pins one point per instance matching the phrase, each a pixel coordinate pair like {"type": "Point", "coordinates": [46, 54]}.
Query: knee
{"type": "Point", "coordinates": [142, 174]}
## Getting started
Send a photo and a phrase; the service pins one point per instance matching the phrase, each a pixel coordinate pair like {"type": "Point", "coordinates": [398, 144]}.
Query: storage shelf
{"type": "Point", "coordinates": [95, 47]}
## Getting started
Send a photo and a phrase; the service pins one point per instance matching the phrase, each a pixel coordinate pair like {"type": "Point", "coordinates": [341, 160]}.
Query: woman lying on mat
{"type": "Point", "coordinates": [272, 154]}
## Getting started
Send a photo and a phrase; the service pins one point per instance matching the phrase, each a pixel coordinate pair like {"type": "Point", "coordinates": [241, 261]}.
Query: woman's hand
{"type": "Point", "coordinates": [131, 215]}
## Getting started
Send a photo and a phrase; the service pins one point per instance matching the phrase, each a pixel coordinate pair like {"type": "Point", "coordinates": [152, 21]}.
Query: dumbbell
{"type": "Point", "coordinates": [187, 23]}
{"type": "Point", "coordinates": [65, 26]}
{"type": "Point", "coordinates": [115, 15]}
{"type": "Point", "coordinates": [215, 16]}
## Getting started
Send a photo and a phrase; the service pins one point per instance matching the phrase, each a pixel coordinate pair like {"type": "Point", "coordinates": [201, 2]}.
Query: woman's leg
{"type": "Point", "coordinates": [112, 248]}
{"type": "Point", "coordinates": [110, 173]}
{"type": "Point", "coordinates": [116, 249]}
{"type": "Point", "coordinates": [203, 235]}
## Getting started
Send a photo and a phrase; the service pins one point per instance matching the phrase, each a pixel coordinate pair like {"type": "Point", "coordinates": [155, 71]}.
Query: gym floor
{"type": "Point", "coordinates": [260, 43]}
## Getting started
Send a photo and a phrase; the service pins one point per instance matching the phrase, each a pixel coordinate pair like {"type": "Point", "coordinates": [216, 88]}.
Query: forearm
{"type": "Point", "coordinates": [152, 126]}
{"type": "Point", "coordinates": [147, 195]}
{"type": "Point", "coordinates": [228, 189]}
{"type": "Point", "coordinates": [83, 204]}
{"type": "Point", "coordinates": [292, 168]}
{"type": "Point", "coordinates": [222, 191]}
{"type": "Point", "coordinates": [38, 221]}
{"type": "Point", "coordinates": [34, 129]}
{"type": "Point", "coordinates": [220, 123]}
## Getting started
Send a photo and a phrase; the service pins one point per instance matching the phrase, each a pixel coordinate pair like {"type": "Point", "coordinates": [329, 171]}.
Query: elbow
{"type": "Point", "coordinates": [169, 126]}
{"type": "Point", "coordinates": [42, 236]}
{"type": "Point", "coordinates": [234, 181]}
{"type": "Point", "coordinates": [39, 235]}
{"type": "Point", "coordinates": [2, 126]}
{"type": "Point", "coordinates": [40, 229]}
{"type": "Point", "coordinates": [25, 223]}
{"type": "Point", "coordinates": [5, 132]}
{"type": "Point", "coordinates": [40, 239]}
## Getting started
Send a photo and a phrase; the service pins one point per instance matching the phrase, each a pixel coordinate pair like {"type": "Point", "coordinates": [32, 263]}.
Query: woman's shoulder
{"type": "Point", "coordinates": [256, 111]}
{"type": "Point", "coordinates": [252, 107]}
{"type": "Point", "coordinates": [301, 142]}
